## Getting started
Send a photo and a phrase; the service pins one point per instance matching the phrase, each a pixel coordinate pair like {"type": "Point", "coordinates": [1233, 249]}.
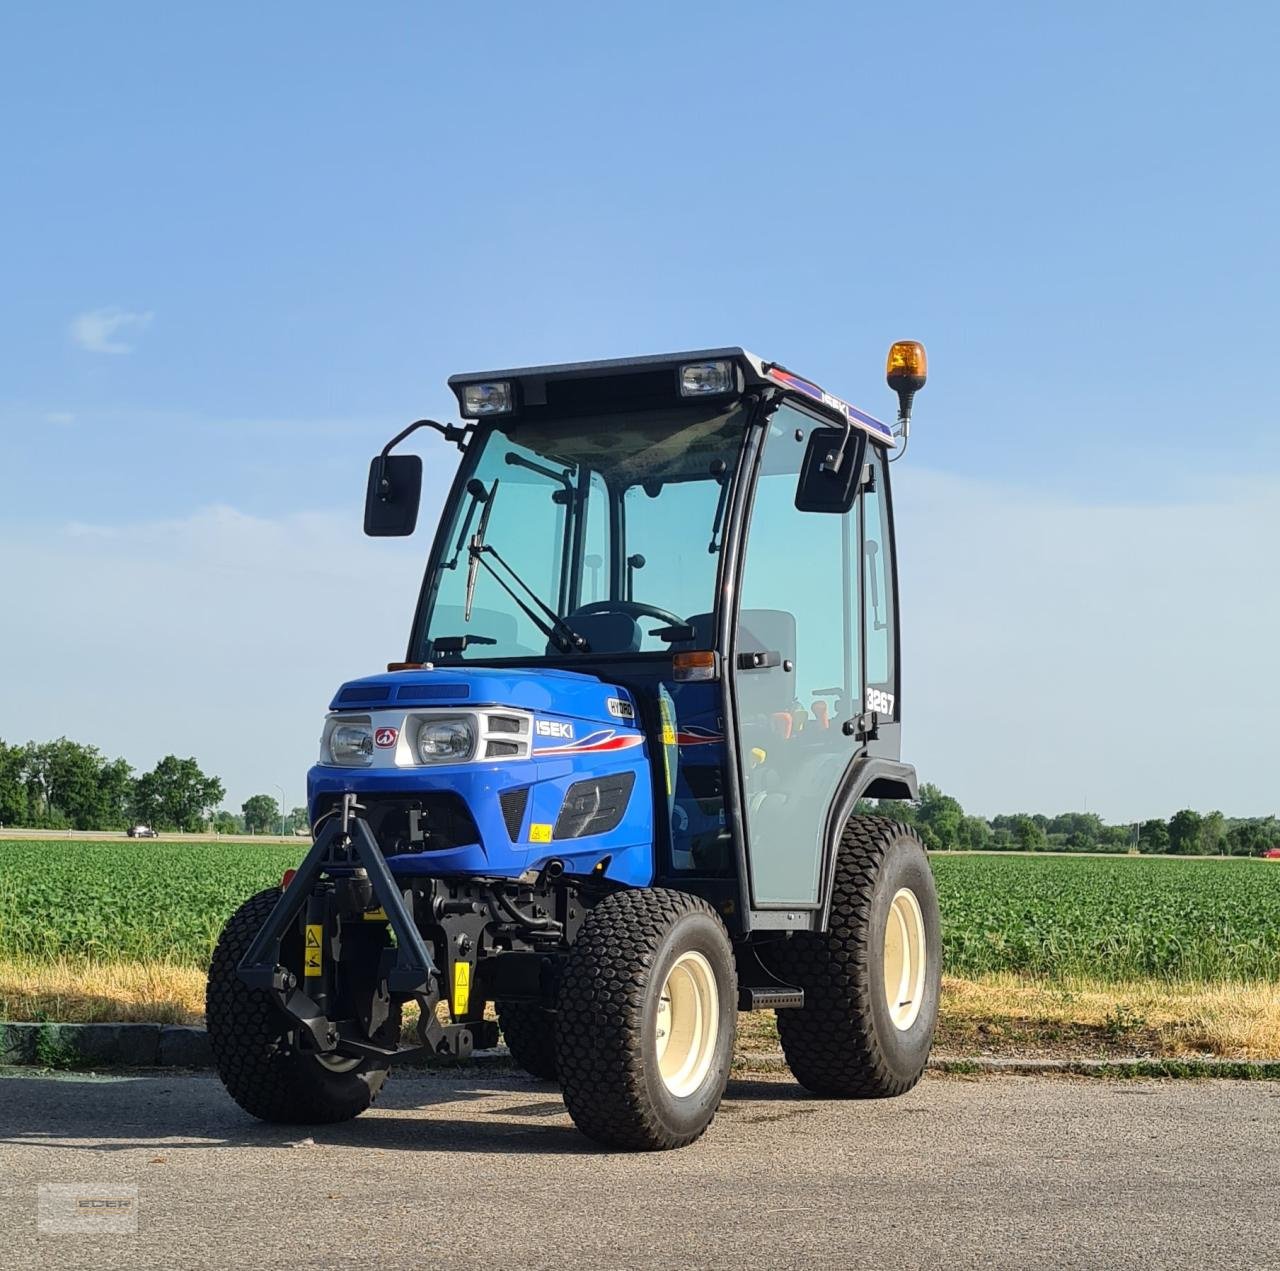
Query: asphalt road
{"type": "Point", "coordinates": [486, 1170]}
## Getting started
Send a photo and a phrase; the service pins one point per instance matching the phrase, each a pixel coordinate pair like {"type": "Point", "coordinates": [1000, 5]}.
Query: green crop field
{"type": "Point", "coordinates": [1109, 919]}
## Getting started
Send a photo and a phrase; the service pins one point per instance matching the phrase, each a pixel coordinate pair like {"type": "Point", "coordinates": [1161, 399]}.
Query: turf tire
{"type": "Point", "coordinates": [606, 1022]}
{"type": "Point", "coordinates": [252, 1044]}
{"type": "Point", "coordinates": [843, 1043]}
{"type": "Point", "coordinates": [530, 1033]}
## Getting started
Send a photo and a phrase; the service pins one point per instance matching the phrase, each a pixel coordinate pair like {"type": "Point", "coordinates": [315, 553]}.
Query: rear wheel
{"type": "Point", "coordinates": [871, 982]}
{"type": "Point", "coordinates": [254, 1049]}
{"type": "Point", "coordinates": [530, 1033]}
{"type": "Point", "coordinates": [646, 1020]}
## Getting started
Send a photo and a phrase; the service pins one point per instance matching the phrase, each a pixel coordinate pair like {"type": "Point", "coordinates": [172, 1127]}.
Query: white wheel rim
{"type": "Point", "coordinates": [905, 954]}
{"type": "Point", "coordinates": [338, 1063]}
{"type": "Point", "coordinates": [688, 1024]}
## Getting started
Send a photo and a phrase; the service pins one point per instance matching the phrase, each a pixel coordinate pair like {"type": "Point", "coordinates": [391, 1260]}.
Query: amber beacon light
{"type": "Point", "coordinates": [906, 370]}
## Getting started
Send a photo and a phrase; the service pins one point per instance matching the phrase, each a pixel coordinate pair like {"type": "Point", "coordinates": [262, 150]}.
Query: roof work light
{"type": "Point", "coordinates": [493, 398]}
{"type": "Point", "coordinates": [706, 379]}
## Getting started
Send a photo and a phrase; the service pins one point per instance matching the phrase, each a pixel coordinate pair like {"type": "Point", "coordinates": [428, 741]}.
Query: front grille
{"type": "Point", "coordinates": [594, 807]}
{"type": "Point", "coordinates": [433, 821]}
{"type": "Point", "coordinates": [513, 804]}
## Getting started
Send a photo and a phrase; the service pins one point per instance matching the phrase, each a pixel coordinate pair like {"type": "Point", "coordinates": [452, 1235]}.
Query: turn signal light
{"type": "Point", "coordinates": [698, 665]}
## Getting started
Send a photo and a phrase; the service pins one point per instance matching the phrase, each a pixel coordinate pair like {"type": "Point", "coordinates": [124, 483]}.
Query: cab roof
{"type": "Point", "coordinates": [636, 383]}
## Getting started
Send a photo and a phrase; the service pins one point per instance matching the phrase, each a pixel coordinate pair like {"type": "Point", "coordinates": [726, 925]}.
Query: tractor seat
{"type": "Point", "coordinates": [605, 632]}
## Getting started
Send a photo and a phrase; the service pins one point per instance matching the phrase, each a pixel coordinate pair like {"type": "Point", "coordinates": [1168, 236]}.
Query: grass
{"type": "Point", "coordinates": [1075, 956]}
{"type": "Point", "coordinates": [1001, 1015]}
{"type": "Point", "coordinates": [1116, 919]}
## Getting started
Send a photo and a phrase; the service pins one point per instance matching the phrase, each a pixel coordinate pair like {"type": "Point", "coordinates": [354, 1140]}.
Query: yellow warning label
{"type": "Point", "coordinates": [670, 754]}
{"type": "Point", "coordinates": [313, 959]}
{"type": "Point", "coordinates": [376, 915]}
{"type": "Point", "coordinates": [461, 987]}
{"type": "Point", "coordinates": [539, 833]}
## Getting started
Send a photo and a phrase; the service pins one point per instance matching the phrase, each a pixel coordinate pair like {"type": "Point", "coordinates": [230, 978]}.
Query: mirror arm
{"type": "Point", "coordinates": [455, 433]}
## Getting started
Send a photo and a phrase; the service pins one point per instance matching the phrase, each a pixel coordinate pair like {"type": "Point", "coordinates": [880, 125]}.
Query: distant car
{"type": "Point", "coordinates": [1271, 854]}
{"type": "Point", "coordinates": [141, 832]}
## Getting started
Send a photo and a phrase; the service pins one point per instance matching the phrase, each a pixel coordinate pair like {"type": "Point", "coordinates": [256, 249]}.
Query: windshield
{"type": "Point", "coordinates": [593, 535]}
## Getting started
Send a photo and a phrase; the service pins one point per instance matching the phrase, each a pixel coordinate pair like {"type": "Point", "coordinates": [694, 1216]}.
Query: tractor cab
{"type": "Point", "coordinates": [709, 536]}
{"type": "Point", "coordinates": [611, 789]}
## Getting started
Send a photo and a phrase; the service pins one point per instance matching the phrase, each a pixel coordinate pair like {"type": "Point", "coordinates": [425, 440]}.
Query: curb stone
{"type": "Point", "coordinates": [182, 1046]}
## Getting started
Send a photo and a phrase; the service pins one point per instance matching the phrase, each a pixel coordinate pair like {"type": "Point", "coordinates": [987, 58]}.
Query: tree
{"type": "Point", "coordinates": [975, 834]}
{"type": "Point", "coordinates": [297, 820]}
{"type": "Point", "coordinates": [1252, 837]}
{"type": "Point", "coordinates": [1184, 832]}
{"type": "Point", "coordinates": [70, 784]}
{"type": "Point", "coordinates": [1213, 834]}
{"type": "Point", "coordinates": [13, 794]}
{"type": "Point", "coordinates": [938, 818]}
{"type": "Point", "coordinates": [176, 795]}
{"type": "Point", "coordinates": [1153, 836]}
{"type": "Point", "coordinates": [1028, 835]}
{"type": "Point", "coordinates": [261, 815]}
{"type": "Point", "coordinates": [225, 822]}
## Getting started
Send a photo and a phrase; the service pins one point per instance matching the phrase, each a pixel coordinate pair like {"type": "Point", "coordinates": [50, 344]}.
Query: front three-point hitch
{"type": "Point", "coordinates": [342, 893]}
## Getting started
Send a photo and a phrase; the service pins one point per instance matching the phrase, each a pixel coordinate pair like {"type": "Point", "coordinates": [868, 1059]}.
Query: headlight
{"type": "Point", "coordinates": [446, 740]}
{"type": "Point", "coordinates": [351, 744]}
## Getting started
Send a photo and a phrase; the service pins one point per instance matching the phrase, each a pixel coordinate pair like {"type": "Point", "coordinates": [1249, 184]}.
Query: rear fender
{"type": "Point", "coordinates": [867, 777]}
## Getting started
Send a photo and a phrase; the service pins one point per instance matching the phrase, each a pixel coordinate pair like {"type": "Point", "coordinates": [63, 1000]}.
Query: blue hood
{"type": "Point", "coordinates": [543, 689]}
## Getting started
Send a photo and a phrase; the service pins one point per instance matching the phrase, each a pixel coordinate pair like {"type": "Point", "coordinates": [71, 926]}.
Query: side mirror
{"type": "Point", "coordinates": [829, 480]}
{"type": "Point", "coordinates": [391, 501]}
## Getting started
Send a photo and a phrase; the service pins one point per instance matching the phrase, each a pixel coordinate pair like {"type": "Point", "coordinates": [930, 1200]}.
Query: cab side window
{"type": "Point", "coordinates": [877, 589]}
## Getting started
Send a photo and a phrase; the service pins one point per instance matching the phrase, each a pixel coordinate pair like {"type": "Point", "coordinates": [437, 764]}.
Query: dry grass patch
{"type": "Point", "coordinates": [1011, 1015]}
{"type": "Point", "coordinates": [999, 1014]}
{"type": "Point", "coordinates": [72, 990]}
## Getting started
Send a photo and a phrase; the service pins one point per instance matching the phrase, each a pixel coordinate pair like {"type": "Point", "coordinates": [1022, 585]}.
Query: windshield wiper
{"type": "Point", "coordinates": [719, 470]}
{"type": "Point", "coordinates": [475, 488]}
{"type": "Point", "coordinates": [553, 626]}
{"type": "Point", "coordinates": [476, 547]}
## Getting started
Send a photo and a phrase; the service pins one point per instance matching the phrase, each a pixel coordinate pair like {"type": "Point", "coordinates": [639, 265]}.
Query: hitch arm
{"type": "Point", "coordinates": [414, 971]}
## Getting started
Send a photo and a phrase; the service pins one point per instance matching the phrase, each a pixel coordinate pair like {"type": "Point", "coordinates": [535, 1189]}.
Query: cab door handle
{"type": "Point", "coordinates": [761, 661]}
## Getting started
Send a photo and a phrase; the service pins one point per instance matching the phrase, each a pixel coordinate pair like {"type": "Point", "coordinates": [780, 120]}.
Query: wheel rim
{"type": "Point", "coordinates": [688, 1024]}
{"type": "Point", "coordinates": [338, 1063]}
{"type": "Point", "coordinates": [905, 953]}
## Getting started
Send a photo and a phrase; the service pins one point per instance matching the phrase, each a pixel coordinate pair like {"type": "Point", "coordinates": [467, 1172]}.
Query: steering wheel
{"type": "Point", "coordinates": [632, 608]}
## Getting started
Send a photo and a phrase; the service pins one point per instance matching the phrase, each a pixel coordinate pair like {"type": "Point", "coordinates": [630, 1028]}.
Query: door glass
{"type": "Point", "coordinates": [799, 602]}
{"type": "Point", "coordinates": [877, 566]}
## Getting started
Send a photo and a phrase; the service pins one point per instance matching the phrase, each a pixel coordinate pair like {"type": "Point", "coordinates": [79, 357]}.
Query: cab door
{"type": "Point", "coordinates": [798, 670]}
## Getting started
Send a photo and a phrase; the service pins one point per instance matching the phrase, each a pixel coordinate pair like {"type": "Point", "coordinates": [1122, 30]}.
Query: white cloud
{"type": "Point", "coordinates": [1058, 653]}
{"type": "Point", "coordinates": [59, 417]}
{"type": "Point", "coordinates": [222, 636]}
{"type": "Point", "coordinates": [1053, 652]}
{"type": "Point", "coordinates": [97, 331]}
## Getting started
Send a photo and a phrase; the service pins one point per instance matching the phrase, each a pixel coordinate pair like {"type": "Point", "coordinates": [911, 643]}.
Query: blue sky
{"type": "Point", "coordinates": [241, 245]}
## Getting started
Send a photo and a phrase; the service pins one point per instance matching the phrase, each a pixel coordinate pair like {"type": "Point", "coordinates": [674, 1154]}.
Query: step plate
{"type": "Point", "coordinates": [766, 999]}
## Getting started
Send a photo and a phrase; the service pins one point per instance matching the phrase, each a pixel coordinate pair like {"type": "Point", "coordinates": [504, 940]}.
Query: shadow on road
{"type": "Point", "coordinates": [173, 1113]}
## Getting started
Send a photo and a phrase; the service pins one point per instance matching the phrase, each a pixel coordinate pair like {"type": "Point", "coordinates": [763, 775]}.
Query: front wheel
{"type": "Point", "coordinates": [530, 1033]}
{"type": "Point", "coordinates": [254, 1048]}
{"type": "Point", "coordinates": [871, 981]}
{"type": "Point", "coordinates": [646, 1020]}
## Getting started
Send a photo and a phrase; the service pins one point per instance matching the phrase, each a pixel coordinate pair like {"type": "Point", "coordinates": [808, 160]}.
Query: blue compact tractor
{"type": "Point", "coordinates": [612, 791]}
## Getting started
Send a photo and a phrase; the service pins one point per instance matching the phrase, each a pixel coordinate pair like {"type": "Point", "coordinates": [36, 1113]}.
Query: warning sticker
{"type": "Point", "coordinates": [539, 833]}
{"type": "Point", "coordinates": [313, 954]}
{"type": "Point", "coordinates": [461, 987]}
